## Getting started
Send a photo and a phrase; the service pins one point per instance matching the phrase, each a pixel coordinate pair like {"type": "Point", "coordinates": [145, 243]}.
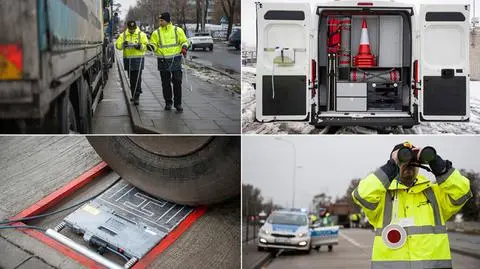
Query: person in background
{"type": "Point", "coordinates": [134, 43]}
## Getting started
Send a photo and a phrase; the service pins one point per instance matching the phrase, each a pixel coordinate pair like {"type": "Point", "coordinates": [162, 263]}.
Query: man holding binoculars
{"type": "Point", "coordinates": [408, 211]}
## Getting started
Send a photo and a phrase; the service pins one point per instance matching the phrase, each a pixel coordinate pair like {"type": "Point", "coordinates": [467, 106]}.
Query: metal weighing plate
{"type": "Point", "coordinates": [127, 219]}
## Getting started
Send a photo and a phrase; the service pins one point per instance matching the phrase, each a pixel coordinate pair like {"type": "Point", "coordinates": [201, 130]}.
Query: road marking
{"type": "Point", "coordinates": [350, 240]}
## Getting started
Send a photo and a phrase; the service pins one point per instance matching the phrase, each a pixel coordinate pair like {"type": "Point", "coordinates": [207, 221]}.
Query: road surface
{"type": "Point", "coordinates": [222, 57]}
{"type": "Point", "coordinates": [353, 251]}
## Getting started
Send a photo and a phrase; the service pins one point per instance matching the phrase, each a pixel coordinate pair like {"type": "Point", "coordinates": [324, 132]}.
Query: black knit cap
{"type": "Point", "coordinates": [131, 24]}
{"type": "Point", "coordinates": [165, 16]}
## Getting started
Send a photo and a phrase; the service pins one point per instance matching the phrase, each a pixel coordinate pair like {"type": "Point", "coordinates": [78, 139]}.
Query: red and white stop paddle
{"type": "Point", "coordinates": [394, 236]}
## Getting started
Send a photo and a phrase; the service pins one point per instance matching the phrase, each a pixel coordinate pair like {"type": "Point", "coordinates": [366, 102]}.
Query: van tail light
{"type": "Point", "coordinates": [314, 78]}
{"type": "Point", "coordinates": [415, 73]}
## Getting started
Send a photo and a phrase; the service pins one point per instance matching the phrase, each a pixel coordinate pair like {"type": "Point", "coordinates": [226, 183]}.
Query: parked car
{"type": "Point", "coordinates": [201, 40]}
{"type": "Point", "coordinates": [234, 39]}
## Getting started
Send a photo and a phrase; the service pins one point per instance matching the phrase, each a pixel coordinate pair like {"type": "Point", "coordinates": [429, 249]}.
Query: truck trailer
{"type": "Point", "coordinates": [54, 61]}
{"type": "Point", "coordinates": [365, 63]}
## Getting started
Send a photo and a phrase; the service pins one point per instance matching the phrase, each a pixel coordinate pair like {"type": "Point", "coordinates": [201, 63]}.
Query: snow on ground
{"type": "Point", "coordinates": [211, 77]}
{"type": "Point", "coordinates": [250, 126]}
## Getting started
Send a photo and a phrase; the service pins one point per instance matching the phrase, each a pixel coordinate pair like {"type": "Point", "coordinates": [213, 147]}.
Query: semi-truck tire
{"type": "Point", "coordinates": [84, 106]}
{"type": "Point", "coordinates": [190, 170]}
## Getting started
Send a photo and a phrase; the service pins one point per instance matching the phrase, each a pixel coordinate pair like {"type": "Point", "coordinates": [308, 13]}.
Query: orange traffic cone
{"type": "Point", "coordinates": [365, 58]}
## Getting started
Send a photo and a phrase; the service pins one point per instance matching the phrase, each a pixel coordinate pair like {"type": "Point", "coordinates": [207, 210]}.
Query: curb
{"type": "Point", "coordinates": [213, 69]}
{"type": "Point", "coordinates": [137, 125]}
{"type": "Point", "coordinates": [263, 261]}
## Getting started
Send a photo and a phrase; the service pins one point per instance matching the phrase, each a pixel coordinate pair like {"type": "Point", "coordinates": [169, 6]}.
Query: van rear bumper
{"type": "Point", "coordinates": [366, 121]}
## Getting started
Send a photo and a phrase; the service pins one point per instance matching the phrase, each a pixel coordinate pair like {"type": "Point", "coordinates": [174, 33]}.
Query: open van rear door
{"type": "Point", "coordinates": [444, 66]}
{"type": "Point", "coordinates": [282, 61]}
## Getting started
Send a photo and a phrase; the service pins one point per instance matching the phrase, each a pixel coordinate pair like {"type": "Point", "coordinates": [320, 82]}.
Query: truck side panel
{"type": "Point", "coordinates": [74, 24]}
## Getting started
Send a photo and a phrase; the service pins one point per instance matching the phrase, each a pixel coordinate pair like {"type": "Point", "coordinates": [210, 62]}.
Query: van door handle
{"type": "Point", "coordinates": [448, 73]}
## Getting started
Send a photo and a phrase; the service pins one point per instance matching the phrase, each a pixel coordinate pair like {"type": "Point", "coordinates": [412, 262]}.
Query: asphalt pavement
{"type": "Point", "coordinates": [222, 57]}
{"type": "Point", "coordinates": [354, 251]}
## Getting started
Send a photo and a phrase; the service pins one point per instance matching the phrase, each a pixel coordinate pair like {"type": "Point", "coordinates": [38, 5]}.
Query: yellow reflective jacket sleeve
{"type": "Point", "coordinates": [182, 38]}
{"type": "Point", "coordinates": [370, 194]}
{"type": "Point", "coordinates": [144, 41]}
{"type": "Point", "coordinates": [119, 42]}
{"type": "Point", "coordinates": [454, 191]}
{"type": "Point", "coordinates": [154, 40]}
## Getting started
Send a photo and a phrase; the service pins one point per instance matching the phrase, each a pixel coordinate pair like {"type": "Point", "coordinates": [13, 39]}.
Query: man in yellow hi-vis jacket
{"type": "Point", "coordinates": [409, 212]}
{"type": "Point", "coordinates": [169, 44]}
{"type": "Point", "coordinates": [133, 42]}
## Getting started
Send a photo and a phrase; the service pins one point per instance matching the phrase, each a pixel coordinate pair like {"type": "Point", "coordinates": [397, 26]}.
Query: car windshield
{"type": "Point", "coordinates": [290, 219]}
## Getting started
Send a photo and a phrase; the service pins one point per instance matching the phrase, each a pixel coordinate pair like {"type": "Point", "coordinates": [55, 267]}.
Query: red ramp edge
{"type": "Point", "coordinates": [55, 197]}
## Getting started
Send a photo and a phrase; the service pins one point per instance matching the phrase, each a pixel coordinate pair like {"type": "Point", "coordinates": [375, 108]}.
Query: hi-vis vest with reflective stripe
{"type": "Point", "coordinates": [429, 204]}
{"type": "Point", "coordinates": [168, 41]}
{"type": "Point", "coordinates": [135, 38]}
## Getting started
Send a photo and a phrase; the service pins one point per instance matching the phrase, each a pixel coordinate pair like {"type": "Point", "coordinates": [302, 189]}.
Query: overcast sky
{"type": "Point", "coordinates": [328, 163]}
{"type": "Point", "coordinates": [125, 5]}
{"type": "Point", "coordinates": [249, 13]}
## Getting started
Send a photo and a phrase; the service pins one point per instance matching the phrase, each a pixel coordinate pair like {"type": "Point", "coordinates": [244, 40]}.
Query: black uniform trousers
{"type": "Point", "coordinates": [135, 81]}
{"type": "Point", "coordinates": [171, 75]}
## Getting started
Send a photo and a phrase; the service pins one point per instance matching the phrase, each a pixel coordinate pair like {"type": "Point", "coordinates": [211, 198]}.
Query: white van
{"type": "Point", "coordinates": [308, 65]}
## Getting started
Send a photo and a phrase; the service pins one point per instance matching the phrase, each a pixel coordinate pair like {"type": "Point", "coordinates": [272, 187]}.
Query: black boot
{"type": "Point", "coordinates": [168, 107]}
{"type": "Point", "coordinates": [179, 108]}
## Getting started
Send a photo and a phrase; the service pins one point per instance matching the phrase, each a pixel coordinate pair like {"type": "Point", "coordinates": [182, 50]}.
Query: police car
{"type": "Point", "coordinates": [292, 230]}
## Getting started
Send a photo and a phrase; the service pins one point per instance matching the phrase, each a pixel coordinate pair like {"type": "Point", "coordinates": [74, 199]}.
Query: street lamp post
{"type": "Point", "coordinates": [294, 166]}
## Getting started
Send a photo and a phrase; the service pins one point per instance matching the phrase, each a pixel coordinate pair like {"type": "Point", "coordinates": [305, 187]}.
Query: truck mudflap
{"type": "Point", "coordinates": [322, 236]}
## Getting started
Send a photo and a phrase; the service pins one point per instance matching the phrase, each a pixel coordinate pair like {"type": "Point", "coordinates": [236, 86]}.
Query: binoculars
{"type": "Point", "coordinates": [420, 156]}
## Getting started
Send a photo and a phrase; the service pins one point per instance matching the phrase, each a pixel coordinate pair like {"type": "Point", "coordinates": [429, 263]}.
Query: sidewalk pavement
{"type": "Point", "coordinates": [211, 107]}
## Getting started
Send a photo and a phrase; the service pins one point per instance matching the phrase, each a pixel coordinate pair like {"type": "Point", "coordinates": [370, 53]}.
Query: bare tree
{"type": "Point", "coordinates": [228, 7]}
{"type": "Point", "coordinates": [198, 5]}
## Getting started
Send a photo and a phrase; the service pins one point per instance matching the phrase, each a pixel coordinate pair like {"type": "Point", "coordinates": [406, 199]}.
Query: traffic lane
{"type": "Point", "coordinates": [364, 238]}
{"type": "Point", "coordinates": [465, 242]}
{"type": "Point", "coordinates": [353, 251]}
{"type": "Point", "coordinates": [222, 57]}
{"type": "Point", "coordinates": [343, 255]}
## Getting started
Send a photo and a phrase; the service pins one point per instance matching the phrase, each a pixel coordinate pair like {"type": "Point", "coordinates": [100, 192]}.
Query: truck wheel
{"type": "Point", "coordinates": [85, 106]}
{"type": "Point", "coordinates": [185, 170]}
{"type": "Point", "coordinates": [330, 248]}
{"type": "Point", "coordinates": [64, 120]}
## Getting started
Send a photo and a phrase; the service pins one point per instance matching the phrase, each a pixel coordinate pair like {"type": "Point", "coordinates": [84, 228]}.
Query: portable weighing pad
{"type": "Point", "coordinates": [127, 220]}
